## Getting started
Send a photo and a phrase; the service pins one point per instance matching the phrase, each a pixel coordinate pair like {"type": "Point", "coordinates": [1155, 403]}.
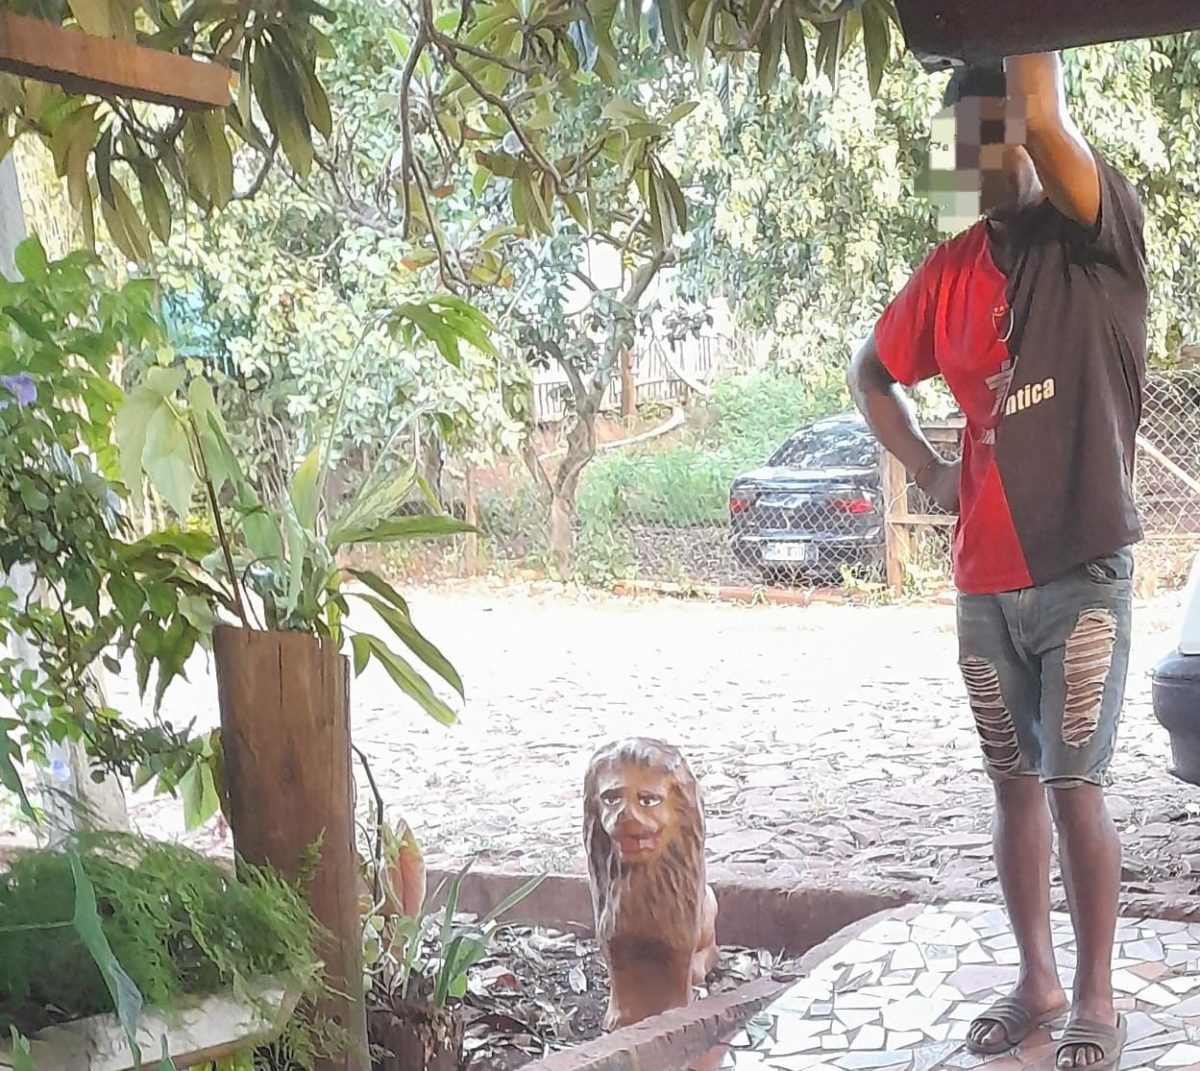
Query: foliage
{"type": "Point", "coordinates": [177, 923]}
{"type": "Point", "coordinates": [279, 326]}
{"type": "Point", "coordinates": [687, 483]}
{"type": "Point", "coordinates": [805, 218]}
{"type": "Point", "coordinates": [93, 593]}
{"type": "Point", "coordinates": [422, 953]}
{"type": "Point", "coordinates": [280, 544]}
{"type": "Point", "coordinates": [127, 155]}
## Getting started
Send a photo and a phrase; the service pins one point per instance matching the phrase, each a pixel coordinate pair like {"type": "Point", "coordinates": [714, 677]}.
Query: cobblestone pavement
{"type": "Point", "coordinates": [830, 740]}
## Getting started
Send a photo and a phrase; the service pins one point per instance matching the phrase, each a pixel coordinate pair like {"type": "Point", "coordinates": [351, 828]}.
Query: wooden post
{"type": "Point", "coordinates": [897, 545]}
{"type": "Point", "coordinates": [83, 63]}
{"type": "Point", "coordinates": [471, 516]}
{"type": "Point", "coordinates": [285, 728]}
{"type": "Point", "coordinates": [628, 388]}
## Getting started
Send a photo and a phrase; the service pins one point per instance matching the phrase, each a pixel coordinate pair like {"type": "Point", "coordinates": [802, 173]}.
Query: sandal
{"type": "Point", "coordinates": [1083, 1033]}
{"type": "Point", "coordinates": [1016, 1022]}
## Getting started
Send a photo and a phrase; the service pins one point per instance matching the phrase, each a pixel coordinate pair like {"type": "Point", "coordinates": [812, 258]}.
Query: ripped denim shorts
{"type": "Point", "coordinates": [1045, 671]}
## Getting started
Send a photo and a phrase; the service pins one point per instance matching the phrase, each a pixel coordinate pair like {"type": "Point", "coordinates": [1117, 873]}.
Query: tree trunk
{"type": "Point", "coordinates": [285, 730]}
{"type": "Point", "coordinates": [471, 516]}
{"type": "Point", "coordinates": [562, 535]}
{"type": "Point", "coordinates": [581, 448]}
{"type": "Point", "coordinates": [628, 387]}
{"type": "Point", "coordinates": [432, 462]}
{"type": "Point", "coordinates": [413, 1035]}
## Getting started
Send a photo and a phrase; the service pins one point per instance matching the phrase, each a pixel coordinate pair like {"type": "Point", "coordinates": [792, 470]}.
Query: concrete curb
{"type": "Point", "coordinates": [788, 919]}
{"type": "Point", "coordinates": [673, 1041]}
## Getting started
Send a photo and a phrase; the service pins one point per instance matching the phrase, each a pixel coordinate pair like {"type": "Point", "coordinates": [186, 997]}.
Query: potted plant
{"type": "Point", "coordinates": [118, 949]}
{"type": "Point", "coordinates": [283, 680]}
{"type": "Point", "coordinates": [419, 951]}
{"type": "Point", "coordinates": [90, 591]}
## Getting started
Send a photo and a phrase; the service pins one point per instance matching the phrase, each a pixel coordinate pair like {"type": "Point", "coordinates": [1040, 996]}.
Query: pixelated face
{"type": "Point", "coordinates": [977, 160]}
{"type": "Point", "coordinates": [636, 810]}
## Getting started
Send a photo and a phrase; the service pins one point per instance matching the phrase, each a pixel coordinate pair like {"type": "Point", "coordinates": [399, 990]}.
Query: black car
{"type": "Point", "coordinates": [816, 506]}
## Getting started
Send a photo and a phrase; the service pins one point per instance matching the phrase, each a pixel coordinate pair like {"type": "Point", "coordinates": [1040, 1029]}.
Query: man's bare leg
{"type": "Point", "coordinates": [1089, 844]}
{"type": "Point", "coordinates": [1022, 843]}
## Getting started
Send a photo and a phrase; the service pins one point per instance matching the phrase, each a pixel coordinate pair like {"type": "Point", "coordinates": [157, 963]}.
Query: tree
{"type": "Point", "coordinates": [809, 227]}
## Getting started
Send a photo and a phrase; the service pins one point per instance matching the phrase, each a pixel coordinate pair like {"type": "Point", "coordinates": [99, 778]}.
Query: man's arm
{"type": "Point", "coordinates": [1063, 159]}
{"type": "Point", "coordinates": [881, 401]}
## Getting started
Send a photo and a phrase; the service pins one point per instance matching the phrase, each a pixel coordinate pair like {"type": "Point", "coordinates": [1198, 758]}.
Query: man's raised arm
{"type": "Point", "coordinates": [1064, 160]}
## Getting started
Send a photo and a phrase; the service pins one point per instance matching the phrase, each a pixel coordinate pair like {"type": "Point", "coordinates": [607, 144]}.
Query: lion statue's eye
{"type": "Point", "coordinates": [610, 798]}
{"type": "Point", "coordinates": [647, 799]}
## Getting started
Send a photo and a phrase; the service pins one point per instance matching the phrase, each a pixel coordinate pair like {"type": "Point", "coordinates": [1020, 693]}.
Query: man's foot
{"type": "Point", "coordinates": [1092, 1039]}
{"type": "Point", "coordinates": [1012, 1019]}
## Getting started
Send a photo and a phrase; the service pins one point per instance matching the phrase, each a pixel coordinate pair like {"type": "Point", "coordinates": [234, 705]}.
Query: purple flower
{"type": "Point", "coordinates": [21, 387]}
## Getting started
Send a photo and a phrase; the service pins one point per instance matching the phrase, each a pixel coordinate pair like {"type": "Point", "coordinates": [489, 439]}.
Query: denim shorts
{"type": "Point", "coordinates": [1045, 671]}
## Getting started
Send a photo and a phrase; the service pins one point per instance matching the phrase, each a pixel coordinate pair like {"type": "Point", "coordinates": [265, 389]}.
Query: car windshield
{"type": "Point", "coordinates": [828, 446]}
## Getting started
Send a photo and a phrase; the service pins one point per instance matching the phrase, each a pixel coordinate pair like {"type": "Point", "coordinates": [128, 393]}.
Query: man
{"type": "Point", "coordinates": [1034, 317]}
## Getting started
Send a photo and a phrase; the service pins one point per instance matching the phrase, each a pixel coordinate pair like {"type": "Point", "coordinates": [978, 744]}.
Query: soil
{"type": "Point", "coordinates": [542, 990]}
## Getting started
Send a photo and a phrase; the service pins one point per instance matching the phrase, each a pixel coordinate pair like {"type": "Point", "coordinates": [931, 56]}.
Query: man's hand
{"type": "Point", "coordinates": [1063, 159]}
{"type": "Point", "coordinates": [939, 480]}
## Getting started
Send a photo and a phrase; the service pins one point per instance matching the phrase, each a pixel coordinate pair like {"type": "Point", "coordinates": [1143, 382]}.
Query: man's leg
{"type": "Point", "coordinates": [1004, 689]}
{"type": "Point", "coordinates": [1086, 627]}
{"type": "Point", "coordinates": [1090, 848]}
{"type": "Point", "coordinates": [1022, 843]}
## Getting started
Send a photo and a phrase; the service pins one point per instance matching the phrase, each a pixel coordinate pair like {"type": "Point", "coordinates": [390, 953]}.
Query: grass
{"type": "Point", "coordinates": [687, 484]}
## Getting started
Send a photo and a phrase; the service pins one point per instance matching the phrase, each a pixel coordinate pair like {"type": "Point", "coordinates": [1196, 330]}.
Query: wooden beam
{"type": "Point", "coordinates": [103, 67]}
{"type": "Point", "coordinates": [938, 31]}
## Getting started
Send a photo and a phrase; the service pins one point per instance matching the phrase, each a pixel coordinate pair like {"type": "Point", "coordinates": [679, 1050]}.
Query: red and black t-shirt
{"type": "Point", "coordinates": [1039, 330]}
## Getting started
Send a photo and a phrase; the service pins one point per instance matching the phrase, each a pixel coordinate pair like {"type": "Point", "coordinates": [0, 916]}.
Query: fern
{"type": "Point", "coordinates": [179, 925]}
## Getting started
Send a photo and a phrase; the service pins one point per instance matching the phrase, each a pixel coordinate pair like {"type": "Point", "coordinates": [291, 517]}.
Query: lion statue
{"type": "Point", "coordinates": [643, 831]}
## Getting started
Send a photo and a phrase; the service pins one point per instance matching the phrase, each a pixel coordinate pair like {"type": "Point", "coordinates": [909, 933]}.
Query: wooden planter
{"type": "Point", "coordinates": [208, 1029]}
{"type": "Point", "coordinates": [413, 1035]}
{"type": "Point", "coordinates": [285, 729]}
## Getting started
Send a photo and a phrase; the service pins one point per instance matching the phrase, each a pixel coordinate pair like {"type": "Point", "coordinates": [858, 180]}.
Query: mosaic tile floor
{"type": "Point", "coordinates": [901, 996]}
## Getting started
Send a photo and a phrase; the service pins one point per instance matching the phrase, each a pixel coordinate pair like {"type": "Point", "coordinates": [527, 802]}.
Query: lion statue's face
{"type": "Point", "coordinates": [642, 795]}
{"type": "Point", "coordinates": [637, 810]}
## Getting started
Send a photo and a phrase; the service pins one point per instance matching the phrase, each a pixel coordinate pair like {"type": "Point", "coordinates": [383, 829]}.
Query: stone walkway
{"type": "Point", "coordinates": [830, 740]}
{"type": "Point", "coordinates": [901, 996]}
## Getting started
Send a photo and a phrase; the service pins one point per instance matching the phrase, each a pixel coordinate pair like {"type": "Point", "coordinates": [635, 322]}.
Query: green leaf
{"type": "Point", "coordinates": [511, 900]}
{"type": "Point", "coordinates": [304, 488]}
{"type": "Point", "coordinates": [30, 259]}
{"type": "Point", "coordinates": [409, 681]}
{"type": "Point", "coordinates": [361, 646]}
{"type": "Point", "coordinates": [297, 546]}
{"type": "Point", "coordinates": [167, 460]}
{"type": "Point", "coordinates": [401, 624]}
{"type": "Point", "coordinates": [877, 41]}
{"type": "Point", "coordinates": [129, 429]}
{"type": "Point", "coordinates": [155, 202]}
{"type": "Point", "coordinates": [125, 996]}
{"type": "Point", "coordinates": [9, 777]}
{"type": "Point", "coordinates": [199, 795]}
{"type": "Point", "coordinates": [127, 595]}
{"type": "Point", "coordinates": [796, 44]}
{"type": "Point", "coordinates": [680, 111]}
{"type": "Point", "coordinates": [770, 51]}
{"type": "Point", "coordinates": [381, 588]}
{"type": "Point", "coordinates": [21, 1058]}
{"type": "Point", "coordinates": [399, 529]}
{"type": "Point", "coordinates": [166, 1063]}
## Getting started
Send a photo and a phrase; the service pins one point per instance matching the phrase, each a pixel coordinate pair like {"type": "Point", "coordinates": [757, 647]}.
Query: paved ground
{"type": "Point", "coordinates": [829, 739]}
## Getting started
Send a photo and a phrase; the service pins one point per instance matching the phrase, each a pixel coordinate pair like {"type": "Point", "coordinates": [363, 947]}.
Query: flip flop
{"type": "Point", "coordinates": [1110, 1040]}
{"type": "Point", "coordinates": [1016, 1022]}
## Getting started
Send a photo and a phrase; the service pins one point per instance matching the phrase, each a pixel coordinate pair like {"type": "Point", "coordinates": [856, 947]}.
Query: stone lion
{"type": "Point", "coordinates": [643, 831]}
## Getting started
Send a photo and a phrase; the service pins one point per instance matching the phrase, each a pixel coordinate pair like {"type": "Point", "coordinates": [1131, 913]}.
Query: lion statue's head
{"type": "Point", "coordinates": [643, 825]}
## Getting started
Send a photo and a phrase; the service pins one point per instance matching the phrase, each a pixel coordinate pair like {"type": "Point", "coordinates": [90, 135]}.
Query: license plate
{"type": "Point", "coordinates": [790, 552]}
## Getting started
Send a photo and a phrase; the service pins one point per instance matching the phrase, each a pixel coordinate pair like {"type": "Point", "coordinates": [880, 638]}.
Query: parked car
{"type": "Point", "coordinates": [1176, 688]}
{"type": "Point", "coordinates": [814, 507]}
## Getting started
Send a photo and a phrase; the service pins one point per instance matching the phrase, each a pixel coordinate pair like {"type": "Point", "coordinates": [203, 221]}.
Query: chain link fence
{"type": "Point", "coordinates": [765, 479]}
